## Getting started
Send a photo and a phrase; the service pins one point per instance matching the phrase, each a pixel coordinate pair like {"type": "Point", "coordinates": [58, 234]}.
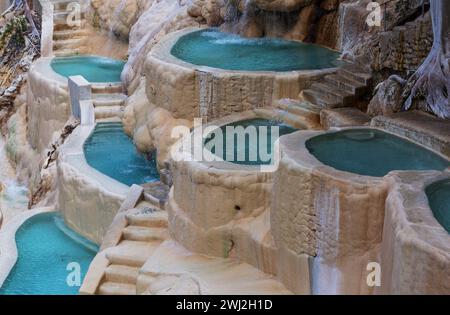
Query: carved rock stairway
{"type": "Point", "coordinates": [146, 230]}
{"type": "Point", "coordinates": [68, 40]}
{"type": "Point", "coordinates": [342, 89]}
{"type": "Point", "coordinates": [108, 100]}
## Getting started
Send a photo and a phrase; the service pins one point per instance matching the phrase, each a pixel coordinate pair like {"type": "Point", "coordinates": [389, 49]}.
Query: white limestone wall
{"type": "Point", "coordinates": [415, 252]}
{"type": "Point", "coordinates": [88, 199]}
{"type": "Point", "coordinates": [48, 104]}
{"type": "Point", "coordinates": [189, 91]}
{"type": "Point", "coordinates": [335, 218]}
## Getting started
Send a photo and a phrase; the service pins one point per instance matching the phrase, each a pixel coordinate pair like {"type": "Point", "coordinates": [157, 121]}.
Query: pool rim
{"type": "Point", "coordinates": [8, 245]}
{"type": "Point", "coordinates": [428, 185]}
{"type": "Point", "coordinates": [83, 55]}
{"type": "Point", "coordinates": [44, 68]}
{"type": "Point", "coordinates": [89, 137]}
{"type": "Point", "coordinates": [427, 219]}
{"type": "Point", "coordinates": [226, 166]}
{"type": "Point", "coordinates": [163, 52]}
{"type": "Point", "coordinates": [313, 162]}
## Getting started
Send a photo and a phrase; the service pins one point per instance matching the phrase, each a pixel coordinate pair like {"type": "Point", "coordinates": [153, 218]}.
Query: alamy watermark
{"type": "Point", "coordinates": [255, 145]}
{"type": "Point", "coordinates": [73, 278]}
{"type": "Point", "coordinates": [374, 18]}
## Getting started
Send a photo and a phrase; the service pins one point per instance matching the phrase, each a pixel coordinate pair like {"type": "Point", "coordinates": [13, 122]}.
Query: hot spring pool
{"type": "Point", "coordinates": [372, 152]}
{"type": "Point", "coordinates": [250, 148]}
{"type": "Point", "coordinates": [110, 151]}
{"type": "Point", "coordinates": [45, 248]}
{"type": "Point", "coordinates": [231, 52]}
{"type": "Point", "coordinates": [439, 199]}
{"type": "Point", "coordinates": [93, 68]}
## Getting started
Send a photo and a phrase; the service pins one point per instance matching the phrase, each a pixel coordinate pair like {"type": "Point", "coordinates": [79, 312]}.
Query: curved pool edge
{"type": "Point", "coordinates": [199, 220]}
{"type": "Point", "coordinates": [88, 199]}
{"type": "Point", "coordinates": [301, 152]}
{"type": "Point", "coordinates": [349, 211]}
{"type": "Point", "coordinates": [415, 245]}
{"type": "Point", "coordinates": [8, 248]}
{"type": "Point", "coordinates": [162, 51]}
{"type": "Point", "coordinates": [191, 91]}
{"type": "Point", "coordinates": [57, 76]}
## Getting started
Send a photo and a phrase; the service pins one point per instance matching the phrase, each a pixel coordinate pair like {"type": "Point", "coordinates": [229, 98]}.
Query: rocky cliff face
{"type": "Point", "coordinates": [305, 20]}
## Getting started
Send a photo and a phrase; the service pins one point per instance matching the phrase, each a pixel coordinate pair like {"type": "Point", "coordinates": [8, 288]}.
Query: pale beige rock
{"type": "Point", "coordinates": [335, 217]}
{"type": "Point", "coordinates": [415, 253]}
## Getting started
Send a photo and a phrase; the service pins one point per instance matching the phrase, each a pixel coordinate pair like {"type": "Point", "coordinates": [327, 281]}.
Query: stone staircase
{"type": "Point", "coordinates": [145, 230]}
{"type": "Point", "coordinates": [68, 40]}
{"type": "Point", "coordinates": [298, 114]}
{"type": "Point", "coordinates": [108, 100]}
{"type": "Point", "coordinates": [341, 89]}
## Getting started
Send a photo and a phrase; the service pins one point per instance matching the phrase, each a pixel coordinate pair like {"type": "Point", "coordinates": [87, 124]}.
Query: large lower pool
{"type": "Point", "coordinates": [248, 146]}
{"type": "Point", "coordinates": [112, 152]}
{"type": "Point", "coordinates": [93, 68]}
{"type": "Point", "coordinates": [46, 248]}
{"type": "Point", "coordinates": [372, 152]}
{"type": "Point", "coordinates": [439, 199]}
{"type": "Point", "coordinates": [231, 52]}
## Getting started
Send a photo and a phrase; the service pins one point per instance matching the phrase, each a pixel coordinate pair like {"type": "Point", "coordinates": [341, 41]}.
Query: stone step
{"type": "Point", "coordinates": [62, 4]}
{"type": "Point", "coordinates": [109, 99]}
{"type": "Point", "coordinates": [131, 253]}
{"type": "Point", "coordinates": [102, 112]}
{"type": "Point", "coordinates": [121, 274]}
{"type": "Point", "coordinates": [156, 219]}
{"type": "Point", "coordinates": [68, 52]}
{"type": "Point", "coordinates": [320, 100]}
{"type": "Point", "coordinates": [299, 108]}
{"type": "Point", "coordinates": [108, 88]}
{"type": "Point", "coordinates": [355, 73]}
{"type": "Point", "coordinates": [68, 43]}
{"type": "Point", "coordinates": [69, 34]}
{"type": "Point", "coordinates": [62, 25]}
{"type": "Point", "coordinates": [295, 121]}
{"type": "Point", "coordinates": [329, 91]}
{"type": "Point", "coordinates": [114, 288]}
{"type": "Point", "coordinates": [62, 19]}
{"type": "Point", "coordinates": [144, 234]}
{"type": "Point", "coordinates": [345, 84]}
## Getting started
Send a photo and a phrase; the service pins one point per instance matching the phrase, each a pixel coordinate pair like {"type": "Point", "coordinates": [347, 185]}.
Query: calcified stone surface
{"type": "Point", "coordinates": [415, 253]}
{"type": "Point", "coordinates": [333, 217]}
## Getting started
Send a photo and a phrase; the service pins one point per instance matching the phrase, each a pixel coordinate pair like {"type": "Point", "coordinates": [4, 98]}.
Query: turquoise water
{"type": "Point", "coordinates": [110, 151]}
{"type": "Point", "coordinates": [45, 248]}
{"type": "Point", "coordinates": [93, 68]}
{"type": "Point", "coordinates": [439, 199]}
{"type": "Point", "coordinates": [244, 154]}
{"type": "Point", "coordinates": [231, 52]}
{"type": "Point", "coordinates": [372, 152]}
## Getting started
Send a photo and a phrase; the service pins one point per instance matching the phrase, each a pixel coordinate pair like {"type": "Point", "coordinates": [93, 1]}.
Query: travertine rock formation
{"type": "Point", "coordinates": [118, 16]}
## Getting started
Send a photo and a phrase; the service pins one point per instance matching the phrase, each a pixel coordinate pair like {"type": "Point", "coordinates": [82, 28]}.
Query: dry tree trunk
{"type": "Point", "coordinates": [432, 79]}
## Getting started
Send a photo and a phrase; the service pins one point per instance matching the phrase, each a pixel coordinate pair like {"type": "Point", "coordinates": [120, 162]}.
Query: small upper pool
{"type": "Point", "coordinates": [47, 254]}
{"type": "Point", "coordinates": [112, 152]}
{"type": "Point", "coordinates": [231, 52]}
{"type": "Point", "coordinates": [439, 199]}
{"type": "Point", "coordinates": [372, 152]}
{"type": "Point", "coordinates": [247, 142]}
{"type": "Point", "coordinates": [93, 68]}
